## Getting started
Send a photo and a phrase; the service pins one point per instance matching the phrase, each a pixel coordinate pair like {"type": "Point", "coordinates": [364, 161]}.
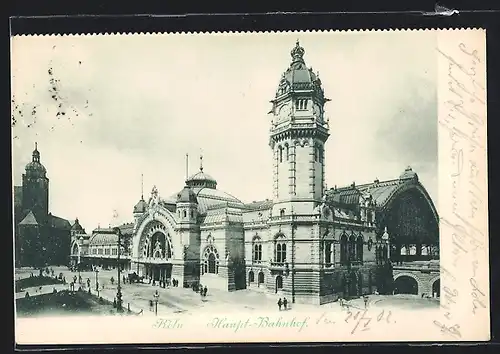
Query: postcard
{"type": "Point", "coordinates": [250, 187]}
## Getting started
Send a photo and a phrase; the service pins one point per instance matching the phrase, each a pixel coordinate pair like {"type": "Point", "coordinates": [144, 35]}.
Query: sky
{"type": "Point", "coordinates": [128, 105]}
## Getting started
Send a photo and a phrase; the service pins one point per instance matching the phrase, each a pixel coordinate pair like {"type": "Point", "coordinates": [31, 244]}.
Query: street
{"type": "Point", "coordinates": [181, 300]}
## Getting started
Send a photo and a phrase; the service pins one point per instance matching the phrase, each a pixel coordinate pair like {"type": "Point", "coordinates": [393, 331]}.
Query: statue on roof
{"type": "Point", "coordinates": [153, 201]}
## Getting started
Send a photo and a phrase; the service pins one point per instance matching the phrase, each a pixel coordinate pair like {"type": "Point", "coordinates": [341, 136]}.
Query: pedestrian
{"type": "Point", "coordinates": [280, 303]}
{"type": "Point", "coordinates": [365, 299]}
{"type": "Point", "coordinates": [205, 291]}
{"type": "Point", "coordinates": [285, 303]}
{"type": "Point", "coordinates": [27, 295]}
{"type": "Point", "coordinates": [88, 282]}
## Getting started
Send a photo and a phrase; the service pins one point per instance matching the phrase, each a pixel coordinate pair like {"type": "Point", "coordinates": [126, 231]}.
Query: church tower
{"type": "Point", "coordinates": [297, 137]}
{"type": "Point", "coordinates": [36, 187]}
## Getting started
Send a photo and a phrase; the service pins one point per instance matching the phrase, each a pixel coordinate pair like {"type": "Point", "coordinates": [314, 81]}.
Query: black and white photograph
{"type": "Point", "coordinates": [165, 178]}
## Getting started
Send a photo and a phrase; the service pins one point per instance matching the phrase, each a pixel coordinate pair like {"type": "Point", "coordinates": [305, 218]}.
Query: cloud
{"type": "Point", "coordinates": [137, 104]}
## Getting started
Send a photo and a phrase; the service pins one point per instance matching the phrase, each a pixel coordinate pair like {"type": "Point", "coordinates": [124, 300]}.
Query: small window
{"type": "Point", "coordinates": [301, 104]}
{"type": "Point", "coordinates": [184, 214]}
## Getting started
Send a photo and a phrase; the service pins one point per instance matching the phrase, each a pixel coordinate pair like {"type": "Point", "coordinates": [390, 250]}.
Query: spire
{"type": "Point", "coordinates": [201, 161]}
{"type": "Point", "coordinates": [36, 154]}
{"type": "Point", "coordinates": [142, 186]}
{"type": "Point", "coordinates": [187, 166]}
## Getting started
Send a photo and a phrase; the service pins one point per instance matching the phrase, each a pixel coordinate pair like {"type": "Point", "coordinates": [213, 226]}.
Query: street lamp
{"type": "Point", "coordinates": [97, 281]}
{"type": "Point", "coordinates": [156, 296]}
{"type": "Point", "coordinates": [79, 258]}
{"type": "Point", "coordinates": [119, 289]}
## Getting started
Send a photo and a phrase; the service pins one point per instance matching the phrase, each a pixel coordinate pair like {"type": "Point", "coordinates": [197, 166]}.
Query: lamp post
{"type": "Point", "coordinates": [79, 258]}
{"type": "Point", "coordinates": [119, 290]}
{"type": "Point", "coordinates": [156, 296]}
{"type": "Point", "coordinates": [97, 281]}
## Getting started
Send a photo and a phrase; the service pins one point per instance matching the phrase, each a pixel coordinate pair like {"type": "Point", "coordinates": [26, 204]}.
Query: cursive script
{"type": "Point", "coordinates": [463, 123]}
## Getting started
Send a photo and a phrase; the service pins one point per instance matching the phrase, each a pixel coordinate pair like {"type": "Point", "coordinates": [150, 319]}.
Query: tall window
{"type": "Point", "coordinates": [287, 152]}
{"type": "Point", "coordinates": [211, 260]}
{"type": "Point", "coordinates": [343, 249]}
{"type": "Point", "coordinates": [280, 249]}
{"type": "Point", "coordinates": [328, 249]}
{"type": "Point", "coordinates": [359, 248]}
{"type": "Point", "coordinates": [257, 250]}
{"type": "Point", "coordinates": [280, 154]}
{"type": "Point", "coordinates": [352, 248]}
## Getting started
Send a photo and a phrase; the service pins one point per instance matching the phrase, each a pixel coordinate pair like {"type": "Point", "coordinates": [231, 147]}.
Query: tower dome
{"type": "Point", "coordinates": [77, 227]}
{"type": "Point", "coordinates": [141, 206]}
{"type": "Point", "coordinates": [187, 195]}
{"type": "Point", "coordinates": [35, 168]}
{"type": "Point", "coordinates": [298, 76]}
{"type": "Point", "coordinates": [201, 179]}
{"type": "Point", "coordinates": [408, 174]}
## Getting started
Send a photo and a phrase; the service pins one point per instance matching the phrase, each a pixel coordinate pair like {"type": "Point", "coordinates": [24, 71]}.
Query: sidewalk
{"type": "Point", "coordinates": [41, 290]}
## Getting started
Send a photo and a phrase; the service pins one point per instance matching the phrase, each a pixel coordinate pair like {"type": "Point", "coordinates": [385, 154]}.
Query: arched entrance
{"type": "Point", "coordinates": [156, 253]}
{"type": "Point", "coordinates": [436, 288]}
{"type": "Point", "coordinates": [279, 283]}
{"type": "Point", "coordinates": [251, 277]}
{"type": "Point", "coordinates": [405, 284]}
{"type": "Point", "coordinates": [260, 278]}
{"type": "Point", "coordinates": [211, 263]}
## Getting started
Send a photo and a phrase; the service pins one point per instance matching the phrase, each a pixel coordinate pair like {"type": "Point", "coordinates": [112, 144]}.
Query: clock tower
{"type": "Point", "coordinates": [297, 137]}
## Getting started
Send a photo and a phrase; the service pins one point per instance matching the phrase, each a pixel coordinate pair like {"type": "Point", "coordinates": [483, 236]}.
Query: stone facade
{"type": "Point", "coordinates": [307, 243]}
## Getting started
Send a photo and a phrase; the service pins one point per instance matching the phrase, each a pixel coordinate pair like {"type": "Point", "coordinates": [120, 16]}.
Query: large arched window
{"type": "Point", "coordinates": [257, 249]}
{"type": "Point", "coordinates": [280, 249]}
{"type": "Point", "coordinates": [75, 249]}
{"type": "Point", "coordinates": [359, 248]}
{"type": "Point", "coordinates": [210, 260]}
{"type": "Point", "coordinates": [343, 249]}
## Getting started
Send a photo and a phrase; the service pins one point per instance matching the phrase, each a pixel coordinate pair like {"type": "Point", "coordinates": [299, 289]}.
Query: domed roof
{"type": "Point", "coordinates": [35, 168]}
{"type": "Point", "coordinates": [298, 76]}
{"type": "Point", "coordinates": [141, 206]}
{"type": "Point", "coordinates": [187, 195]}
{"type": "Point", "coordinates": [201, 179]}
{"type": "Point", "coordinates": [408, 174]}
{"type": "Point", "coordinates": [76, 226]}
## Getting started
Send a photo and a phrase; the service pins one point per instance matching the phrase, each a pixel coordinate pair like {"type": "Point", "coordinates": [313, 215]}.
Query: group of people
{"type": "Point", "coordinates": [283, 303]}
